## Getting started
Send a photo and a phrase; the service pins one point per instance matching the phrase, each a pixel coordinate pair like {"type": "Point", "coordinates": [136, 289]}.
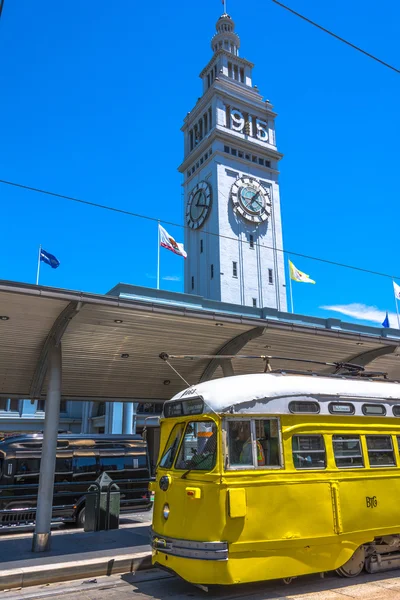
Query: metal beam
{"type": "Point", "coordinates": [53, 338]}
{"type": "Point", "coordinates": [232, 347]}
{"type": "Point", "coordinates": [41, 537]}
{"type": "Point", "coordinates": [364, 358]}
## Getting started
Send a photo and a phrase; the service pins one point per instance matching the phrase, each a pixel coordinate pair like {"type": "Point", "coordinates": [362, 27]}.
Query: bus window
{"type": "Point", "coordinates": [347, 451]}
{"type": "Point", "coordinates": [115, 463]}
{"type": "Point", "coordinates": [380, 451]}
{"type": "Point", "coordinates": [27, 470]}
{"type": "Point", "coordinates": [84, 467]}
{"type": "Point", "coordinates": [308, 452]}
{"type": "Point", "coordinates": [171, 448]}
{"type": "Point", "coordinates": [198, 449]}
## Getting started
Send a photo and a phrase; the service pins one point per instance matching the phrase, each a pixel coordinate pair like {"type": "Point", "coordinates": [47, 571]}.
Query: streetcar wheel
{"type": "Point", "coordinates": [354, 566]}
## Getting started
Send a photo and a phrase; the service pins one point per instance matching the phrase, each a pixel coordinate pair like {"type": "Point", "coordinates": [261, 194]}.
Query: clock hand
{"type": "Point", "coordinates": [254, 199]}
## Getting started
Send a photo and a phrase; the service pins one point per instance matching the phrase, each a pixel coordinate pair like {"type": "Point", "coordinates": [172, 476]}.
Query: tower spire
{"type": "Point", "coordinates": [225, 37]}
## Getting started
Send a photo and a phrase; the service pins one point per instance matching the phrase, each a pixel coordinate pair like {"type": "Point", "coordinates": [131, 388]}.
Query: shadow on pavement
{"type": "Point", "coordinates": [170, 586]}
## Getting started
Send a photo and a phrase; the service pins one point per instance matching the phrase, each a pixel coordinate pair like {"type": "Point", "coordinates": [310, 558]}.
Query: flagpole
{"type": "Point", "coordinates": [397, 306]}
{"type": "Point", "coordinates": [158, 256]}
{"type": "Point", "coordinates": [38, 266]}
{"type": "Point", "coordinates": [291, 291]}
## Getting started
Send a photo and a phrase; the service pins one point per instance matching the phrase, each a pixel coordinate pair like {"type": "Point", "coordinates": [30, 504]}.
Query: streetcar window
{"type": "Point", "coordinates": [304, 407]}
{"type": "Point", "coordinates": [396, 410]}
{"type": "Point", "coordinates": [308, 452]}
{"type": "Point", "coordinates": [260, 436]}
{"type": "Point", "coordinates": [344, 408]}
{"type": "Point", "coordinates": [373, 409]}
{"type": "Point", "coordinates": [171, 448]}
{"type": "Point", "coordinates": [199, 447]}
{"type": "Point", "coordinates": [380, 451]}
{"type": "Point", "coordinates": [347, 451]}
{"type": "Point", "coordinates": [240, 444]}
{"type": "Point", "coordinates": [267, 440]}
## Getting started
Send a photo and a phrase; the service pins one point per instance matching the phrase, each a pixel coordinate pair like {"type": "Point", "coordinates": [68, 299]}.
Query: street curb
{"type": "Point", "coordinates": [94, 567]}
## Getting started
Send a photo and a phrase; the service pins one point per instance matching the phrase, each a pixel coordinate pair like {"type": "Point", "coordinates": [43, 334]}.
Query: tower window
{"type": "Point", "coordinates": [268, 163]}
{"type": "Point", "coordinates": [252, 241]}
{"type": "Point", "coordinates": [234, 269]}
{"type": "Point", "coordinates": [201, 246]}
{"type": "Point", "coordinates": [240, 154]}
{"type": "Point", "coordinates": [212, 272]}
{"type": "Point", "coordinates": [261, 161]}
{"type": "Point", "coordinates": [235, 72]}
{"type": "Point", "coordinates": [230, 70]}
{"type": "Point", "coordinates": [270, 277]}
{"type": "Point", "coordinates": [255, 302]}
{"type": "Point", "coordinates": [227, 149]}
{"type": "Point", "coordinates": [192, 282]}
{"type": "Point", "coordinates": [254, 159]}
{"type": "Point", "coordinates": [234, 151]}
{"type": "Point", "coordinates": [242, 75]}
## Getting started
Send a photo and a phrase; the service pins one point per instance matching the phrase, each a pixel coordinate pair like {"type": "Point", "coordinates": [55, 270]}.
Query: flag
{"type": "Point", "coordinates": [49, 259]}
{"type": "Point", "coordinates": [386, 321]}
{"type": "Point", "coordinates": [168, 242]}
{"type": "Point", "coordinates": [396, 291]}
{"type": "Point", "coordinates": [297, 275]}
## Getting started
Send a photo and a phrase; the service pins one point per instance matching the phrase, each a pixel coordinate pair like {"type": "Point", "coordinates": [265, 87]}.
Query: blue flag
{"type": "Point", "coordinates": [386, 321]}
{"type": "Point", "coordinates": [49, 259]}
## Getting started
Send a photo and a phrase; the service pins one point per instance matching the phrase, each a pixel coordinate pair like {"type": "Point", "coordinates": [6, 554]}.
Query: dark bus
{"type": "Point", "coordinates": [80, 460]}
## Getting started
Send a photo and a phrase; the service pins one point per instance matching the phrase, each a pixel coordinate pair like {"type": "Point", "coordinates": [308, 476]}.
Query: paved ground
{"type": "Point", "coordinates": [74, 544]}
{"type": "Point", "coordinates": [156, 585]}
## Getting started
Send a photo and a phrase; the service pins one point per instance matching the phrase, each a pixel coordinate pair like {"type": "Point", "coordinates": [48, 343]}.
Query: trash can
{"type": "Point", "coordinates": [102, 505]}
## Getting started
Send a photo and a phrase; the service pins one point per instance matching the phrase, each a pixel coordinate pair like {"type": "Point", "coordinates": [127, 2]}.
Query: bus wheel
{"type": "Point", "coordinates": [80, 519]}
{"type": "Point", "coordinates": [354, 566]}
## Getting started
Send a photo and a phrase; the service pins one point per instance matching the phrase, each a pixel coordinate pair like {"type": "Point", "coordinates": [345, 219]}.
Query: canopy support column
{"type": "Point", "coordinates": [127, 418]}
{"type": "Point", "coordinates": [41, 537]}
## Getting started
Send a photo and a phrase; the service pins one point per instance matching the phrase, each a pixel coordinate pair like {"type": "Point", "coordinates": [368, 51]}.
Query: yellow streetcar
{"type": "Point", "coordinates": [278, 475]}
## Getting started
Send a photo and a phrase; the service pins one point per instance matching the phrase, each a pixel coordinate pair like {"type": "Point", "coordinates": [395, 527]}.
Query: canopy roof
{"type": "Point", "coordinates": [111, 343]}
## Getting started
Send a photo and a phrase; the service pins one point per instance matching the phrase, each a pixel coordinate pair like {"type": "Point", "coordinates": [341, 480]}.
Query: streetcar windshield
{"type": "Point", "coordinates": [199, 447]}
{"type": "Point", "coordinates": [168, 457]}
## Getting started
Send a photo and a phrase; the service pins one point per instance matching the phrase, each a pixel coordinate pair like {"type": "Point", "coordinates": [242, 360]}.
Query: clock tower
{"type": "Point", "coordinates": [231, 190]}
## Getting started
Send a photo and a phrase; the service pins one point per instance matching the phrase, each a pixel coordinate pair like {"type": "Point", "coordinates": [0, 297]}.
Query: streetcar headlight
{"type": "Point", "coordinates": [165, 511]}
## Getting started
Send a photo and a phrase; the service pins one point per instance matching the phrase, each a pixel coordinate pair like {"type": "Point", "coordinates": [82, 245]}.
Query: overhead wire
{"type": "Point", "coordinates": [337, 37]}
{"type": "Point", "coordinates": [172, 223]}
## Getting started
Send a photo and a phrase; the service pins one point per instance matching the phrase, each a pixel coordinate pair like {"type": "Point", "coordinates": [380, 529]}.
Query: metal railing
{"type": "Point", "coordinates": [75, 490]}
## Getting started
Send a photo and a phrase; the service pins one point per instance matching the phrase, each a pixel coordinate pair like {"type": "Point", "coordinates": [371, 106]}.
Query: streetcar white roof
{"type": "Point", "coordinates": [260, 393]}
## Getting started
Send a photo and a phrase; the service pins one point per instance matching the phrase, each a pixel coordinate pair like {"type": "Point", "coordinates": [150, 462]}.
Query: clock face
{"type": "Point", "coordinates": [198, 205]}
{"type": "Point", "coordinates": [251, 200]}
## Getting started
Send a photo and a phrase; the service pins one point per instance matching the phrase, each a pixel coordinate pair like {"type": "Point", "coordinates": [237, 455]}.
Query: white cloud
{"type": "Point", "coordinates": [363, 312]}
{"type": "Point", "coordinates": [172, 278]}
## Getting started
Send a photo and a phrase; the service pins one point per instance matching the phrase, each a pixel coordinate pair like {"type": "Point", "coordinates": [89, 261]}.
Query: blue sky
{"type": "Point", "coordinates": [92, 98]}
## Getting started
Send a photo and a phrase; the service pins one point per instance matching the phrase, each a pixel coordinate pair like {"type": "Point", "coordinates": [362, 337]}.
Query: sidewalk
{"type": "Point", "coordinates": [74, 554]}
